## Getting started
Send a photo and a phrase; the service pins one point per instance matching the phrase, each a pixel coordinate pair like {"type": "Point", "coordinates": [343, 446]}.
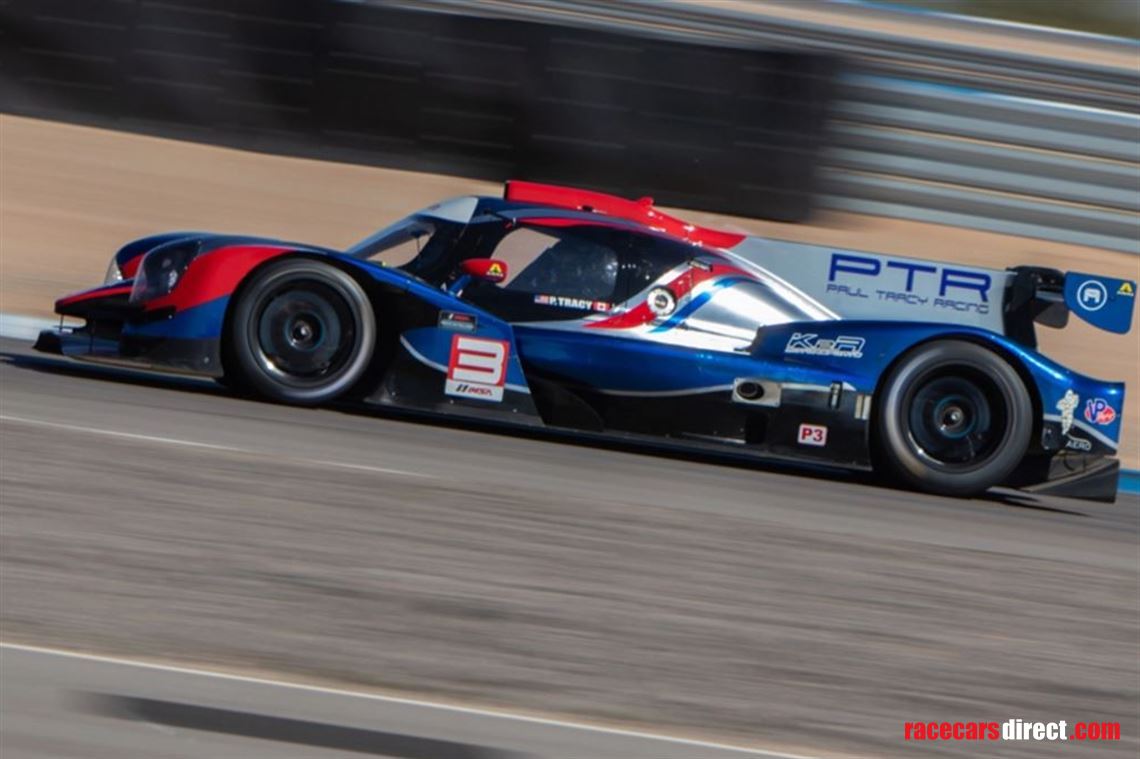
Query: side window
{"type": "Point", "coordinates": [399, 254]}
{"type": "Point", "coordinates": [649, 259]}
{"type": "Point", "coordinates": [398, 244]}
{"type": "Point", "coordinates": [560, 264]}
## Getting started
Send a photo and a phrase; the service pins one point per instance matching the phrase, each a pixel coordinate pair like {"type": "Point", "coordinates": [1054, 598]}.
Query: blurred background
{"type": "Point", "coordinates": [1116, 18]}
{"type": "Point", "coordinates": [995, 132]}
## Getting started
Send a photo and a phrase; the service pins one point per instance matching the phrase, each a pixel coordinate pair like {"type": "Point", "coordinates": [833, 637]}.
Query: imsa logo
{"type": "Point", "coordinates": [473, 391]}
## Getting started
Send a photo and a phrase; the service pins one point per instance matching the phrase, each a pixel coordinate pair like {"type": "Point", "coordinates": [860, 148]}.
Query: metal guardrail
{"type": "Point", "coordinates": [999, 140]}
{"type": "Point", "coordinates": [1012, 30]}
{"type": "Point", "coordinates": [968, 158]}
{"type": "Point", "coordinates": [1006, 71]}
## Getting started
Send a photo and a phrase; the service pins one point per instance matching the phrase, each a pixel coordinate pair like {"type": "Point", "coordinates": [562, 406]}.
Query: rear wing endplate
{"type": "Point", "coordinates": [1036, 295]}
{"type": "Point", "coordinates": [1103, 302]}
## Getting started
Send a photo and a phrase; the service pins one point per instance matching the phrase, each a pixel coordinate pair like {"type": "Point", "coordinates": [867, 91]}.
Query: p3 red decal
{"type": "Point", "coordinates": [812, 434]}
{"type": "Point", "coordinates": [477, 368]}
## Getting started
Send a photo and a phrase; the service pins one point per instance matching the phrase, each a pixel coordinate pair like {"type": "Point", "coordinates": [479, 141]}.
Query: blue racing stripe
{"type": "Point", "coordinates": [697, 302]}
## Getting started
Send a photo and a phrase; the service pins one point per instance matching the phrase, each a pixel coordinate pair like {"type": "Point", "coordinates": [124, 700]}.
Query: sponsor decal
{"type": "Point", "coordinates": [811, 344]}
{"type": "Point", "coordinates": [1078, 444]}
{"type": "Point", "coordinates": [477, 368]}
{"type": "Point", "coordinates": [661, 301]}
{"type": "Point", "coordinates": [466, 389]}
{"type": "Point", "coordinates": [486, 269]}
{"type": "Point", "coordinates": [563, 301]}
{"type": "Point", "coordinates": [812, 434]}
{"type": "Point", "coordinates": [1067, 405]}
{"type": "Point", "coordinates": [1098, 411]}
{"type": "Point", "coordinates": [1092, 295]}
{"type": "Point", "coordinates": [1103, 302]}
{"type": "Point", "coordinates": [457, 321]}
{"type": "Point", "coordinates": [907, 282]}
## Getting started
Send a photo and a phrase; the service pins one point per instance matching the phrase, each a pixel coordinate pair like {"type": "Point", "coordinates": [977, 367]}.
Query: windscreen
{"type": "Point", "coordinates": [399, 244]}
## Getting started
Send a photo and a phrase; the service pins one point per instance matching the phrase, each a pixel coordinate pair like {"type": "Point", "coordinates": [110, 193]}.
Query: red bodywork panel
{"type": "Point", "coordinates": [105, 291]}
{"type": "Point", "coordinates": [130, 268]}
{"type": "Point", "coordinates": [210, 276]}
{"type": "Point", "coordinates": [215, 274]}
{"type": "Point", "coordinates": [640, 211]}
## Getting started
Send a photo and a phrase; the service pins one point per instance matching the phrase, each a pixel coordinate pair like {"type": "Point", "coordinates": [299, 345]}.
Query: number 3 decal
{"type": "Point", "coordinates": [477, 368]}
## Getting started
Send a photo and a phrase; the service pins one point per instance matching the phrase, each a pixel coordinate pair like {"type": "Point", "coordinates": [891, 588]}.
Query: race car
{"type": "Point", "coordinates": [571, 309]}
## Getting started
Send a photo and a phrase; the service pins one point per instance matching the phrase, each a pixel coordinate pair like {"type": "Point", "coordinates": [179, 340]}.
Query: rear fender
{"type": "Point", "coordinates": [883, 344]}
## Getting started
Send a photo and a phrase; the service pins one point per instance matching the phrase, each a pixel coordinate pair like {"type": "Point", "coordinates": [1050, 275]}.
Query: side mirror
{"type": "Point", "coordinates": [486, 269]}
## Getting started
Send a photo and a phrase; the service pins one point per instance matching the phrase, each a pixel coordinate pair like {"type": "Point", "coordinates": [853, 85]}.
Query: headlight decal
{"type": "Point", "coordinates": [114, 274]}
{"type": "Point", "coordinates": [161, 269]}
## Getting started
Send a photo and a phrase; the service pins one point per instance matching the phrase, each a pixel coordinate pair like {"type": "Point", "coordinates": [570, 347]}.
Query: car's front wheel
{"type": "Point", "coordinates": [302, 332]}
{"type": "Point", "coordinates": [953, 418]}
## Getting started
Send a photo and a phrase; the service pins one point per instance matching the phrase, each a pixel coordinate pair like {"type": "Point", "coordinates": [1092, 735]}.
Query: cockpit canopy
{"type": "Point", "coordinates": [567, 264]}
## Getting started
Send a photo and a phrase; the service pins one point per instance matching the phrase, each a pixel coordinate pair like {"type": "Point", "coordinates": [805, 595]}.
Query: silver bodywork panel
{"type": "Point", "coordinates": [860, 285]}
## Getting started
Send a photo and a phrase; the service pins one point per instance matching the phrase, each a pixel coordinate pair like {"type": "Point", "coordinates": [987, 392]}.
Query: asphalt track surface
{"type": "Point", "coordinates": [65, 705]}
{"type": "Point", "coordinates": [157, 518]}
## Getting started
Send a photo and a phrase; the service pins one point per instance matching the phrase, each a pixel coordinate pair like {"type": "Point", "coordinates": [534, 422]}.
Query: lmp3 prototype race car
{"type": "Point", "coordinates": [564, 308]}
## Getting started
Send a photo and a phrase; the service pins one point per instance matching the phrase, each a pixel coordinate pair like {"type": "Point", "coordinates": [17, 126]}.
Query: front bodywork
{"type": "Point", "coordinates": [715, 349]}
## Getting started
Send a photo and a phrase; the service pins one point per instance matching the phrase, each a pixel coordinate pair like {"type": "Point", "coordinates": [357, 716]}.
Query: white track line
{"type": "Point", "coordinates": [441, 706]}
{"type": "Point", "coordinates": [20, 327]}
{"type": "Point", "coordinates": [207, 446]}
{"type": "Point", "coordinates": [117, 434]}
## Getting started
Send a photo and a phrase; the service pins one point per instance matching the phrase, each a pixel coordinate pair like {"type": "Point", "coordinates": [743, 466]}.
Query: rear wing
{"type": "Point", "coordinates": [1036, 295]}
{"type": "Point", "coordinates": [860, 285]}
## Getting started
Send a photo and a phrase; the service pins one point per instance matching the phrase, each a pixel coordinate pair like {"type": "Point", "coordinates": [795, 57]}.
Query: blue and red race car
{"type": "Point", "coordinates": [571, 309]}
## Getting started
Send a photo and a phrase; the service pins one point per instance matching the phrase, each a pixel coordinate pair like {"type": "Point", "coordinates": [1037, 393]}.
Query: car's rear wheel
{"type": "Point", "coordinates": [302, 332]}
{"type": "Point", "coordinates": [953, 418]}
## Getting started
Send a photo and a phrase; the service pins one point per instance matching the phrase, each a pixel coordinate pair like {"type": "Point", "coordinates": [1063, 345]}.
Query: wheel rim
{"type": "Point", "coordinates": [957, 419]}
{"type": "Point", "coordinates": [305, 333]}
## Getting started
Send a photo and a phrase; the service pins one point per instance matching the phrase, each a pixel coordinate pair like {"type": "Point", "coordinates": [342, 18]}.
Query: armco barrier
{"type": "Point", "coordinates": [1038, 168]}
{"type": "Point", "coordinates": [725, 127]}
{"type": "Point", "coordinates": [1000, 70]}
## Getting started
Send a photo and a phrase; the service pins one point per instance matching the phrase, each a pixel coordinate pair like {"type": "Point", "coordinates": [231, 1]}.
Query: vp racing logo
{"type": "Point", "coordinates": [1099, 411]}
{"type": "Point", "coordinates": [811, 344]}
